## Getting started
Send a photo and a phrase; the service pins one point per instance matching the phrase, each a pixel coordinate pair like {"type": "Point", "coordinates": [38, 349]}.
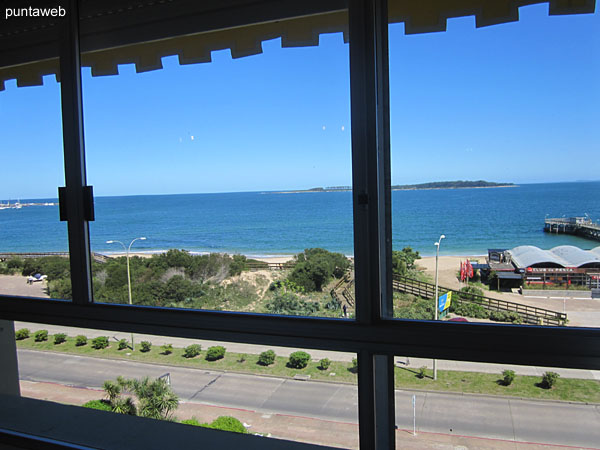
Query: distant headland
{"type": "Point", "coordinates": [412, 187]}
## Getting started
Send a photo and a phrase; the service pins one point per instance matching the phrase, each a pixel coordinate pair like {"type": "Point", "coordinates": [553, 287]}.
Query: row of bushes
{"type": "Point", "coordinates": [297, 360]}
{"type": "Point", "coordinates": [549, 379]}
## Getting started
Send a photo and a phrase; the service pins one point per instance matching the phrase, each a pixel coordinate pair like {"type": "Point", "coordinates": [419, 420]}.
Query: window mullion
{"type": "Point", "coordinates": [75, 204]}
{"type": "Point", "coordinates": [372, 220]}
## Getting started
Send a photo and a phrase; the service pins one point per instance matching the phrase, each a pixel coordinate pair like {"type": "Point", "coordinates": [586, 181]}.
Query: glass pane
{"type": "Point", "coordinates": [493, 136]}
{"type": "Point", "coordinates": [505, 405]}
{"type": "Point", "coordinates": [265, 388]}
{"type": "Point", "coordinates": [205, 175]}
{"type": "Point", "coordinates": [33, 242]}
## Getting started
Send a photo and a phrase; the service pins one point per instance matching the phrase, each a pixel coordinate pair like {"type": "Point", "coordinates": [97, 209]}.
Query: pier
{"type": "Point", "coordinates": [578, 226]}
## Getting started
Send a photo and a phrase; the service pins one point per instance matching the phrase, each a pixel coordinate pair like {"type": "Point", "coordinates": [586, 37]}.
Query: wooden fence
{"type": "Point", "coordinates": [530, 314]}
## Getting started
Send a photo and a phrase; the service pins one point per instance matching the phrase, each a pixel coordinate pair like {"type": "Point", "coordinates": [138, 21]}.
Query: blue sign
{"type": "Point", "coordinates": [444, 301]}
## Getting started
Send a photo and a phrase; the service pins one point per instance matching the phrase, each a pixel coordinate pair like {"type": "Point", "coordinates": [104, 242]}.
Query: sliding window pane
{"type": "Point", "coordinates": [260, 389]}
{"type": "Point", "coordinates": [505, 405]}
{"type": "Point", "coordinates": [34, 260]}
{"type": "Point", "coordinates": [228, 182]}
{"type": "Point", "coordinates": [494, 133]}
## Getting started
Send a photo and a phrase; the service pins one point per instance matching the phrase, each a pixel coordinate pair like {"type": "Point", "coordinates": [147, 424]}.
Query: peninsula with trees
{"type": "Point", "coordinates": [460, 184]}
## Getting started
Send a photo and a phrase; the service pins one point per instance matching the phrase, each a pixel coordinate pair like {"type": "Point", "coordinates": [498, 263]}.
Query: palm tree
{"type": "Point", "coordinates": [155, 399]}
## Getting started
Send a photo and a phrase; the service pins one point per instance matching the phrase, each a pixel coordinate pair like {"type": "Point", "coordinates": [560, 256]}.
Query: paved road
{"type": "Point", "coordinates": [468, 415]}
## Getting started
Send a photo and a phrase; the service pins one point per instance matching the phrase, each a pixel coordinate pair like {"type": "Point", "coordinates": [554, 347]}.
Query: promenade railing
{"type": "Point", "coordinates": [530, 314]}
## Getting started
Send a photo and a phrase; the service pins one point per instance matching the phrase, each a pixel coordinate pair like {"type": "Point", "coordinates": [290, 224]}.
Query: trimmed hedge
{"type": "Point", "coordinates": [146, 346]}
{"type": "Point", "coordinates": [59, 338]}
{"type": "Point", "coordinates": [40, 335]}
{"type": "Point", "coordinates": [192, 350]}
{"type": "Point", "coordinates": [324, 364]}
{"type": "Point", "coordinates": [100, 342]}
{"type": "Point", "coordinates": [508, 376]}
{"type": "Point", "coordinates": [80, 340]}
{"type": "Point", "coordinates": [21, 334]}
{"type": "Point", "coordinates": [215, 353]}
{"type": "Point", "coordinates": [266, 358]}
{"type": "Point", "coordinates": [299, 360]}
{"type": "Point", "coordinates": [549, 379]}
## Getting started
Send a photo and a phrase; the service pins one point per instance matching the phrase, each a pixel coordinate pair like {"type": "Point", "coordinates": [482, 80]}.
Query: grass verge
{"type": "Point", "coordinates": [566, 389]}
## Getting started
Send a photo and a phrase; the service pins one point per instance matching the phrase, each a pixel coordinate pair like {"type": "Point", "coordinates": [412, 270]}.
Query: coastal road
{"type": "Point", "coordinates": [468, 415]}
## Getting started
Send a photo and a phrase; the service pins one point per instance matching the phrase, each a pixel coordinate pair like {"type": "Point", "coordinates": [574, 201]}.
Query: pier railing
{"type": "Point", "coordinates": [530, 314]}
{"type": "Point", "coordinates": [580, 226]}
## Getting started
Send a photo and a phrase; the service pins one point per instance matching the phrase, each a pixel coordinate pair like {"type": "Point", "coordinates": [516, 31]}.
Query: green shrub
{"type": "Point", "coordinates": [422, 372]}
{"type": "Point", "coordinates": [299, 360]}
{"type": "Point", "coordinates": [193, 422]}
{"type": "Point", "coordinates": [228, 423]}
{"type": "Point", "coordinates": [266, 358]}
{"type": "Point", "coordinates": [21, 334]}
{"type": "Point", "coordinates": [100, 342]}
{"type": "Point", "coordinates": [192, 351]}
{"type": "Point", "coordinates": [98, 404]}
{"type": "Point", "coordinates": [242, 358]}
{"type": "Point", "coordinates": [80, 340]}
{"type": "Point", "coordinates": [404, 261]}
{"type": "Point", "coordinates": [354, 365]}
{"type": "Point", "coordinates": [289, 304]}
{"type": "Point", "coordinates": [508, 376]}
{"type": "Point", "coordinates": [470, 310]}
{"type": "Point", "coordinates": [214, 353]}
{"type": "Point", "coordinates": [549, 379]}
{"type": "Point", "coordinates": [146, 346]}
{"type": "Point", "coordinates": [474, 290]}
{"type": "Point", "coordinates": [324, 364]}
{"type": "Point", "coordinates": [167, 349]}
{"type": "Point", "coordinates": [316, 266]}
{"type": "Point", "coordinates": [123, 344]}
{"type": "Point", "coordinates": [40, 335]}
{"type": "Point", "coordinates": [15, 263]}
{"type": "Point", "coordinates": [59, 338]}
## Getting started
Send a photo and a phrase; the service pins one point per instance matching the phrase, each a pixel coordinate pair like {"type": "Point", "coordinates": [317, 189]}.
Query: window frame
{"type": "Point", "coordinates": [374, 336]}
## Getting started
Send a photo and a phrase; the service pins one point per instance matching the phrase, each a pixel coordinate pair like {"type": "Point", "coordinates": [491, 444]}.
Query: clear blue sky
{"type": "Point", "coordinates": [516, 102]}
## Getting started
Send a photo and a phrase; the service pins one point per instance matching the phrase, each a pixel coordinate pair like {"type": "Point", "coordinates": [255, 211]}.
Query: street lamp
{"type": "Point", "coordinates": [128, 249]}
{"type": "Point", "coordinates": [435, 306]}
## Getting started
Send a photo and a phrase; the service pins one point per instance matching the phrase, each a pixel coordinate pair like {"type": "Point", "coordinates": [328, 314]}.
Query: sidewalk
{"type": "Point", "coordinates": [463, 366]}
{"type": "Point", "coordinates": [290, 427]}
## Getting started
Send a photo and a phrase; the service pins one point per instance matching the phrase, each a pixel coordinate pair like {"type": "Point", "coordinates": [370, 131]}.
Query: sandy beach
{"type": "Point", "coordinates": [448, 267]}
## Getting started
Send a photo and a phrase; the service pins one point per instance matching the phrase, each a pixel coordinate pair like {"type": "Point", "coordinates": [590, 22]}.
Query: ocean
{"type": "Point", "coordinates": [264, 223]}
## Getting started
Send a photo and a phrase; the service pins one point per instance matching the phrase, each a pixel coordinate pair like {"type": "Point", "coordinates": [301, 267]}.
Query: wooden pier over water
{"type": "Point", "coordinates": [578, 226]}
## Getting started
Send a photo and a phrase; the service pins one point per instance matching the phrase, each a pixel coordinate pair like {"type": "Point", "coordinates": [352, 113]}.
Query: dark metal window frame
{"type": "Point", "coordinates": [374, 336]}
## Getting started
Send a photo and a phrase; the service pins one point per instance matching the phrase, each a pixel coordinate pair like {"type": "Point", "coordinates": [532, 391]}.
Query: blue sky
{"type": "Point", "coordinates": [515, 102]}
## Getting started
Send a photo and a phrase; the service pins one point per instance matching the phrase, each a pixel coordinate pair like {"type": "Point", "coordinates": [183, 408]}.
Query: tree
{"type": "Point", "coordinates": [316, 266]}
{"type": "Point", "coordinates": [404, 261]}
{"type": "Point", "coordinates": [155, 399]}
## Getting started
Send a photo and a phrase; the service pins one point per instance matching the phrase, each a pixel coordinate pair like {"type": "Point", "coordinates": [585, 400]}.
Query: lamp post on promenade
{"type": "Point", "coordinates": [435, 306]}
{"type": "Point", "coordinates": [128, 249]}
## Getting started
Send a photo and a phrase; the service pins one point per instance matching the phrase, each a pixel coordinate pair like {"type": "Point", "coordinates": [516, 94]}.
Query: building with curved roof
{"type": "Point", "coordinates": [562, 256]}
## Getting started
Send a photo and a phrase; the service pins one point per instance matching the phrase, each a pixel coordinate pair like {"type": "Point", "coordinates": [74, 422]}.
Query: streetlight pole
{"type": "Point", "coordinates": [127, 250]}
{"type": "Point", "coordinates": [435, 306]}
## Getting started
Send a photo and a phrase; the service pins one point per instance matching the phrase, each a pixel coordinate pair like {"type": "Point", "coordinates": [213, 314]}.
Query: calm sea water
{"type": "Point", "coordinates": [256, 223]}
